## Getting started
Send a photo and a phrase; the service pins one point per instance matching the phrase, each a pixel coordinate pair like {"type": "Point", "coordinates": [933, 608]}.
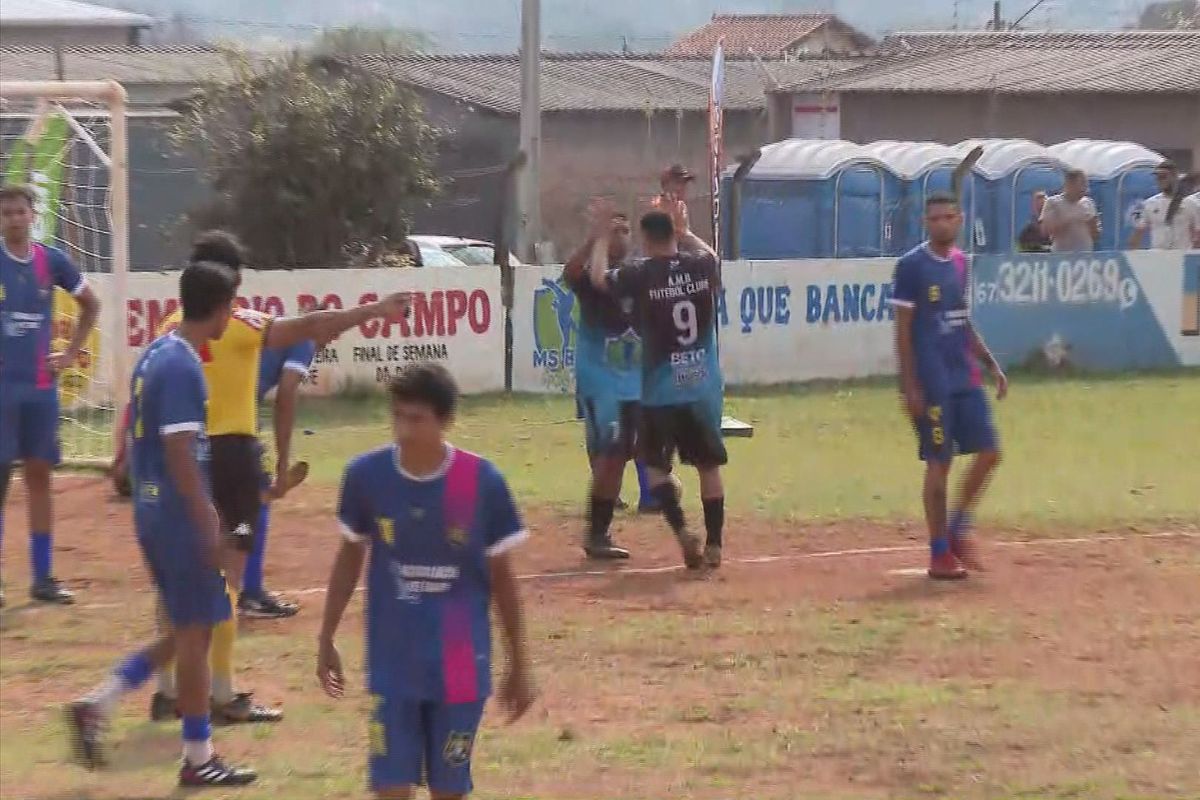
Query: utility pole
{"type": "Point", "coordinates": [529, 205]}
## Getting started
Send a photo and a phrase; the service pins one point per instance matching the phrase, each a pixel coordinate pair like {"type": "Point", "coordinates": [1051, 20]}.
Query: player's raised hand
{"type": "Point", "coordinates": [329, 670]}
{"type": "Point", "coordinates": [601, 211]}
{"type": "Point", "coordinates": [679, 216]}
{"type": "Point", "coordinates": [517, 693]}
{"type": "Point", "coordinates": [397, 305]}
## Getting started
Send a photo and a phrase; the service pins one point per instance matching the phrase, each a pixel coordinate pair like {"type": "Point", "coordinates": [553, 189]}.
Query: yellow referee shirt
{"type": "Point", "coordinates": [231, 370]}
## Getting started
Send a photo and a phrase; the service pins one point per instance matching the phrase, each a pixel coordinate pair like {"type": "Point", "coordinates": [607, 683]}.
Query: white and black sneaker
{"type": "Point", "coordinates": [266, 605]}
{"type": "Point", "coordinates": [215, 773]}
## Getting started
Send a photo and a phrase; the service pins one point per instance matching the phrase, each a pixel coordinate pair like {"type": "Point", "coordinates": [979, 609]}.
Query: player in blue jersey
{"type": "Point", "coordinates": [608, 384]}
{"type": "Point", "coordinates": [674, 290]}
{"type": "Point", "coordinates": [178, 530]}
{"type": "Point", "coordinates": [439, 524]}
{"type": "Point", "coordinates": [281, 370]}
{"type": "Point", "coordinates": [29, 273]}
{"type": "Point", "coordinates": [939, 352]}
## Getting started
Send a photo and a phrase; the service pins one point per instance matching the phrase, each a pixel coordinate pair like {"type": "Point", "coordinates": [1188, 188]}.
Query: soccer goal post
{"type": "Point", "coordinates": [68, 140]}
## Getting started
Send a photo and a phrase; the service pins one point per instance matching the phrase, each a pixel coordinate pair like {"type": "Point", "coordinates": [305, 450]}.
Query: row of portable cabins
{"type": "Point", "coordinates": [808, 198]}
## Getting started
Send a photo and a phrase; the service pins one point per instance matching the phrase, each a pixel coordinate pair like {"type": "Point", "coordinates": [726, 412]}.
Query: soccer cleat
{"type": "Point", "coordinates": [620, 505]}
{"type": "Point", "coordinates": [163, 708]}
{"type": "Point", "coordinates": [966, 550]}
{"type": "Point", "coordinates": [243, 709]}
{"type": "Point", "coordinates": [86, 725]}
{"type": "Point", "coordinates": [946, 567]}
{"type": "Point", "coordinates": [215, 773]}
{"type": "Point", "coordinates": [1, 595]}
{"type": "Point", "coordinates": [649, 506]}
{"type": "Point", "coordinates": [603, 549]}
{"type": "Point", "coordinates": [689, 545]}
{"type": "Point", "coordinates": [51, 590]}
{"type": "Point", "coordinates": [266, 605]}
{"type": "Point", "coordinates": [712, 556]}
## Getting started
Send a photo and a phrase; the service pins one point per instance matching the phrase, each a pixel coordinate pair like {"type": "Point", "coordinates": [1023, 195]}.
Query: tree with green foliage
{"type": "Point", "coordinates": [357, 41]}
{"type": "Point", "coordinates": [315, 162]}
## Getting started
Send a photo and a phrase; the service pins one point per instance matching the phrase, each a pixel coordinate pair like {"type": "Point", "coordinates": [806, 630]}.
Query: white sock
{"type": "Point", "coordinates": [166, 682]}
{"type": "Point", "coordinates": [222, 690]}
{"type": "Point", "coordinates": [107, 694]}
{"type": "Point", "coordinates": [198, 753]}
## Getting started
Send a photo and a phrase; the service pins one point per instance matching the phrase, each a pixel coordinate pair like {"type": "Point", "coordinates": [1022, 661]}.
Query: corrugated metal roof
{"type": "Point", "coordinates": [601, 82]}
{"type": "Point", "coordinates": [1028, 63]}
{"type": "Point", "coordinates": [130, 65]}
{"type": "Point", "coordinates": [27, 13]}
{"type": "Point", "coordinates": [768, 35]}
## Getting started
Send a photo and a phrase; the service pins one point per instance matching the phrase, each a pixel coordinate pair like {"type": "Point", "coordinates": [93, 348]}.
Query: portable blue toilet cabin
{"type": "Point", "coordinates": [1120, 180]}
{"type": "Point", "coordinates": [808, 198]}
{"type": "Point", "coordinates": [924, 169]}
{"type": "Point", "coordinates": [1008, 175]}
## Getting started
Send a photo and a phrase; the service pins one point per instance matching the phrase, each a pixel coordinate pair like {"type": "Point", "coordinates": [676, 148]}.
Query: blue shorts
{"type": "Point", "coordinates": [417, 742]}
{"type": "Point", "coordinates": [959, 423]}
{"type": "Point", "coordinates": [28, 424]}
{"type": "Point", "coordinates": [192, 592]}
{"type": "Point", "coordinates": [611, 425]}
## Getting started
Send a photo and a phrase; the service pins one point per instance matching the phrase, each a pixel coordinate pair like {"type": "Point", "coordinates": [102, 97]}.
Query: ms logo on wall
{"type": "Point", "coordinates": [555, 332]}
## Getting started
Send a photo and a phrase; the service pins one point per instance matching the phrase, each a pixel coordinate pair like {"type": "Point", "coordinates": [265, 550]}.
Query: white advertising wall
{"type": "Point", "coordinates": [457, 319]}
{"type": "Point", "coordinates": [780, 322]}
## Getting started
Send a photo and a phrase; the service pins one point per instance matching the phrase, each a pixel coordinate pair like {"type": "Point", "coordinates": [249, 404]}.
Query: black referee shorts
{"type": "Point", "coordinates": [237, 484]}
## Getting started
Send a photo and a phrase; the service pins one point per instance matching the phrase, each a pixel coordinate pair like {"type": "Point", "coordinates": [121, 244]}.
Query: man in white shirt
{"type": "Point", "coordinates": [1070, 218]}
{"type": "Point", "coordinates": [1173, 222]}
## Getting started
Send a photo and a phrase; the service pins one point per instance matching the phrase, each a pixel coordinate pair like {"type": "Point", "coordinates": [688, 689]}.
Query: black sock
{"type": "Point", "coordinates": [669, 501]}
{"type": "Point", "coordinates": [714, 520]}
{"type": "Point", "coordinates": [600, 516]}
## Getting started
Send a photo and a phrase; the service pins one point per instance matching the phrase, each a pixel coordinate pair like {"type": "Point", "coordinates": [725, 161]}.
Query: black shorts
{"type": "Point", "coordinates": [693, 430]}
{"type": "Point", "coordinates": [237, 484]}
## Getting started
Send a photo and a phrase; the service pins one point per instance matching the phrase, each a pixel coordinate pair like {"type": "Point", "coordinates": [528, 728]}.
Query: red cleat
{"type": "Point", "coordinates": [946, 567]}
{"type": "Point", "coordinates": [966, 550]}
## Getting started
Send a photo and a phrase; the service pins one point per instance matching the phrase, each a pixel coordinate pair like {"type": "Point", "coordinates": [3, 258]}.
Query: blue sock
{"type": "Point", "coordinates": [252, 582]}
{"type": "Point", "coordinates": [135, 670]}
{"type": "Point", "coordinates": [39, 555]}
{"type": "Point", "coordinates": [197, 729]}
{"type": "Point", "coordinates": [960, 524]}
{"type": "Point", "coordinates": [645, 498]}
{"type": "Point", "coordinates": [939, 546]}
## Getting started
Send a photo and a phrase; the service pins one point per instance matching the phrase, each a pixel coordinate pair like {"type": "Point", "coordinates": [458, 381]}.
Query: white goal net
{"type": "Point", "coordinates": [67, 142]}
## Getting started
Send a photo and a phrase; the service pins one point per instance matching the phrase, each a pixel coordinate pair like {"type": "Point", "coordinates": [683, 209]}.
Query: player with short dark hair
{"type": "Point", "coordinates": [608, 383]}
{"type": "Point", "coordinates": [674, 290]}
{"type": "Point", "coordinates": [939, 352]}
{"type": "Point", "coordinates": [178, 530]}
{"type": "Point", "coordinates": [29, 273]}
{"type": "Point", "coordinates": [440, 525]}
{"type": "Point", "coordinates": [231, 366]}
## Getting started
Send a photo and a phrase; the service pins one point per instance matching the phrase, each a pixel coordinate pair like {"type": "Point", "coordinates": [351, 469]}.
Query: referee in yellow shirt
{"type": "Point", "coordinates": [231, 365]}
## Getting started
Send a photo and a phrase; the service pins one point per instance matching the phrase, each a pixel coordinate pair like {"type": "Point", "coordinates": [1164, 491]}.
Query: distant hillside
{"type": "Point", "coordinates": [591, 24]}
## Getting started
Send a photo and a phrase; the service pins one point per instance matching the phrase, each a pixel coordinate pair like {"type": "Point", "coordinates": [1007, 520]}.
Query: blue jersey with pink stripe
{"type": "Point", "coordinates": [936, 289]}
{"type": "Point", "coordinates": [428, 579]}
{"type": "Point", "coordinates": [26, 312]}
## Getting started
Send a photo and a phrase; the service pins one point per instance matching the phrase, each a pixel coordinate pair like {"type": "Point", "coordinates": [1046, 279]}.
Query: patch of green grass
{"type": "Point", "coordinates": [1078, 451]}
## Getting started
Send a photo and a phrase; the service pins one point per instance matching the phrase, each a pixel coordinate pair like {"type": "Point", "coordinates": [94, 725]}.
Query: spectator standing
{"type": "Point", "coordinates": [1069, 219]}
{"type": "Point", "coordinates": [1033, 239]}
{"type": "Point", "coordinates": [1171, 219]}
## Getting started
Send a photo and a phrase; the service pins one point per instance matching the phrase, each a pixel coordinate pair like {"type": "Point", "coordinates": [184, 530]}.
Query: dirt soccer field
{"type": "Point", "coordinates": [825, 668]}
{"type": "Point", "coordinates": [818, 664]}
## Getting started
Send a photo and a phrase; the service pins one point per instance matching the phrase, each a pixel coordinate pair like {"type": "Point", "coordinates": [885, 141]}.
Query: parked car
{"type": "Point", "coordinates": [472, 252]}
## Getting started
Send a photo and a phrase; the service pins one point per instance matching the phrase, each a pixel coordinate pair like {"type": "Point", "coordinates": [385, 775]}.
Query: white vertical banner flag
{"type": "Point", "coordinates": [716, 121]}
